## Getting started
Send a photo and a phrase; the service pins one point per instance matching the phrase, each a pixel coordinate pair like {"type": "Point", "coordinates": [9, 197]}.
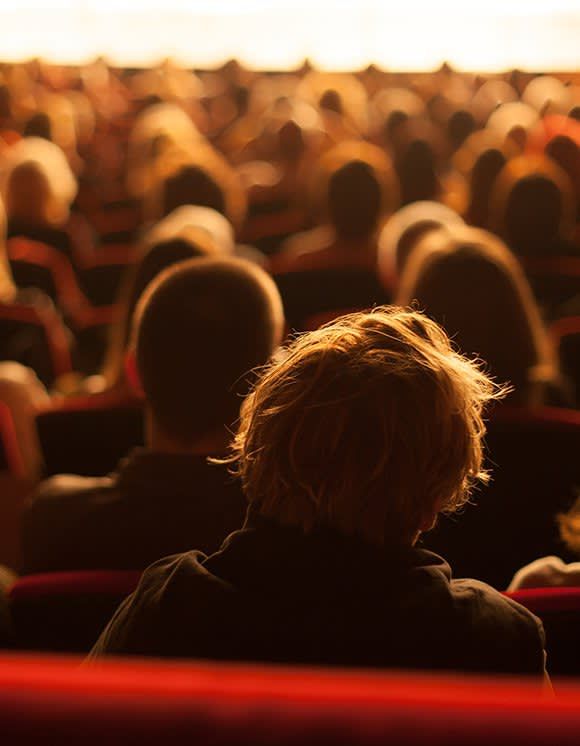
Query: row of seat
{"type": "Point", "coordinates": [121, 703]}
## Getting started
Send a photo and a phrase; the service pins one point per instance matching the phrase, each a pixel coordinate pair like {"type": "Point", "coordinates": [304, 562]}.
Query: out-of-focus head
{"type": "Point", "coordinates": [159, 129]}
{"type": "Point", "coordinates": [337, 93]}
{"type": "Point", "coordinates": [332, 433]}
{"type": "Point", "coordinates": [391, 107]}
{"type": "Point", "coordinates": [479, 160]}
{"type": "Point", "coordinates": [532, 205]}
{"type": "Point", "coordinates": [415, 162]}
{"type": "Point", "coordinates": [469, 281]}
{"type": "Point", "coordinates": [194, 220]}
{"type": "Point", "coordinates": [547, 94]}
{"type": "Point", "coordinates": [513, 120]}
{"type": "Point", "coordinates": [404, 230]}
{"type": "Point", "coordinates": [203, 178]}
{"type": "Point", "coordinates": [38, 183]}
{"type": "Point", "coordinates": [489, 96]}
{"type": "Point", "coordinates": [354, 187]}
{"type": "Point", "coordinates": [200, 329]}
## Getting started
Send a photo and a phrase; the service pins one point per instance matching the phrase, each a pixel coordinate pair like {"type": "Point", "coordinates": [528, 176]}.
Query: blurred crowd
{"type": "Point", "coordinates": [454, 193]}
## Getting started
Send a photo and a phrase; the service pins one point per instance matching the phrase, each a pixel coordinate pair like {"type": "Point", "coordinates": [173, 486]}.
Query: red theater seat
{"type": "Point", "coordinates": [87, 435]}
{"type": "Point", "coordinates": [66, 611]}
{"type": "Point", "coordinates": [122, 703]}
{"type": "Point", "coordinates": [559, 610]}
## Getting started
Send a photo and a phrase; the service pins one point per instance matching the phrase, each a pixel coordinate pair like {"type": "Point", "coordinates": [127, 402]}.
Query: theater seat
{"type": "Point", "coordinates": [88, 435]}
{"type": "Point", "coordinates": [122, 703]}
{"type": "Point", "coordinates": [534, 459]}
{"type": "Point", "coordinates": [566, 335]}
{"type": "Point", "coordinates": [559, 610]}
{"type": "Point", "coordinates": [310, 292]}
{"type": "Point", "coordinates": [66, 611]}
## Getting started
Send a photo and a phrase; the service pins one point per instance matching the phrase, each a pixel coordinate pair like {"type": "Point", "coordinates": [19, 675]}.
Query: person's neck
{"type": "Point", "coordinates": [214, 443]}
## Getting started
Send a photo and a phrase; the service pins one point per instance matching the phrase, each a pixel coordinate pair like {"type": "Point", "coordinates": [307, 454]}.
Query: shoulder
{"type": "Point", "coordinates": [176, 610]}
{"type": "Point", "coordinates": [504, 628]}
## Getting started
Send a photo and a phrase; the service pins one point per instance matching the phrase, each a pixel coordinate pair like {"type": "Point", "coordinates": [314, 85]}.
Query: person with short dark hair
{"type": "Point", "coordinates": [201, 327]}
{"type": "Point", "coordinates": [348, 448]}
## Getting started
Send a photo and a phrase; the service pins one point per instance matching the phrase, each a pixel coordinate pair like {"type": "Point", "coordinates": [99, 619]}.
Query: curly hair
{"type": "Point", "coordinates": [370, 425]}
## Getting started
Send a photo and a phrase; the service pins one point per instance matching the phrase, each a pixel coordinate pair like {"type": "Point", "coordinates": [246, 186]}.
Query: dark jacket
{"type": "Point", "coordinates": [273, 594]}
{"type": "Point", "coordinates": [155, 504]}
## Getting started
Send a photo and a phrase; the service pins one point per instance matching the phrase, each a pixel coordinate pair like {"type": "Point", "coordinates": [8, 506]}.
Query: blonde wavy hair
{"type": "Point", "coordinates": [370, 425]}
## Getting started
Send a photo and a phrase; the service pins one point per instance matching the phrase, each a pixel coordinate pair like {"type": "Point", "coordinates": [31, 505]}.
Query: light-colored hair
{"type": "Point", "coordinates": [569, 524]}
{"type": "Point", "coordinates": [369, 425]}
{"type": "Point", "coordinates": [38, 182]}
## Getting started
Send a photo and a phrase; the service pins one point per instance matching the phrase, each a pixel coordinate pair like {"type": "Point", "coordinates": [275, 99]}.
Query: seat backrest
{"type": "Point", "coordinates": [36, 338]}
{"type": "Point", "coordinates": [150, 702]}
{"type": "Point", "coordinates": [559, 610]}
{"type": "Point", "coordinates": [534, 460]}
{"type": "Point", "coordinates": [566, 335]}
{"type": "Point", "coordinates": [66, 611]}
{"type": "Point", "coordinates": [85, 438]}
{"type": "Point", "coordinates": [310, 292]}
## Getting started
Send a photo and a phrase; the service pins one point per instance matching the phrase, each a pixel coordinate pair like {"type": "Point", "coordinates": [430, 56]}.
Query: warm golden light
{"type": "Point", "coordinates": [413, 34]}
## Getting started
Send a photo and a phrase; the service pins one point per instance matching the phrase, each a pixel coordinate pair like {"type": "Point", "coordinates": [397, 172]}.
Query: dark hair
{"type": "Point", "coordinates": [192, 185]}
{"type": "Point", "coordinates": [415, 167]}
{"type": "Point", "coordinates": [533, 214]}
{"type": "Point", "coordinates": [38, 126]}
{"type": "Point", "coordinates": [483, 174]}
{"type": "Point", "coordinates": [354, 200]}
{"type": "Point", "coordinates": [154, 260]}
{"type": "Point", "coordinates": [201, 327]}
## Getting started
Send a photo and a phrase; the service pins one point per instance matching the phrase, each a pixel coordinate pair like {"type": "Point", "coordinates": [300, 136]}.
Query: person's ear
{"type": "Point", "coordinates": [132, 374]}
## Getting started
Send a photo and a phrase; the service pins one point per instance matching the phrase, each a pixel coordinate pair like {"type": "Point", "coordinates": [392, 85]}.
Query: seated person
{"type": "Point", "coordinates": [348, 448]}
{"type": "Point", "coordinates": [552, 570]}
{"type": "Point", "coordinates": [201, 326]}
{"type": "Point", "coordinates": [354, 188]}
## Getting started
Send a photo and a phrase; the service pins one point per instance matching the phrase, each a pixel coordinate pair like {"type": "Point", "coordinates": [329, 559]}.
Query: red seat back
{"type": "Point", "coordinates": [66, 611]}
{"type": "Point", "coordinates": [146, 702]}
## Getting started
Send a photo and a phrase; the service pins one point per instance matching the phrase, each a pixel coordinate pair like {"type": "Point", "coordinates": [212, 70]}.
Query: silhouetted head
{"type": "Point", "coordinates": [354, 187]}
{"type": "Point", "coordinates": [200, 330]}
{"type": "Point", "coordinates": [469, 281]}
{"type": "Point", "coordinates": [415, 166]}
{"type": "Point", "coordinates": [192, 185]}
{"type": "Point", "coordinates": [402, 233]}
{"type": "Point", "coordinates": [532, 205]}
{"type": "Point", "coordinates": [38, 126]}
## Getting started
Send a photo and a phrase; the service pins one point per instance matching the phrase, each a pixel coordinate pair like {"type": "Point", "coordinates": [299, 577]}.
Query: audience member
{"type": "Point", "coordinates": [468, 280]}
{"type": "Point", "coordinates": [552, 571]}
{"type": "Point", "coordinates": [201, 327]}
{"type": "Point", "coordinates": [326, 569]}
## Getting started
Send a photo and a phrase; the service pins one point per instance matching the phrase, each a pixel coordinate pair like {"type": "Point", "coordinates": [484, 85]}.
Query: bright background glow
{"type": "Point", "coordinates": [481, 35]}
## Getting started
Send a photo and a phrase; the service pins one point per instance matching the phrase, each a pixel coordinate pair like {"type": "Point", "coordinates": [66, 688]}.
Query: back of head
{"type": "Point", "coordinates": [192, 185]}
{"type": "Point", "coordinates": [38, 126]}
{"type": "Point", "coordinates": [481, 179]}
{"type": "Point", "coordinates": [353, 187]}
{"type": "Point", "coordinates": [468, 281]}
{"type": "Point", "coordinates": [28, 194]}
{"type": "Point", "coordinates": [156, 257]}
{"type": "Point", "coordinates": [354, 200]}
{"type": "Point", "coordinates": [532, 205]}
{"type": "Point", "coordinates": [200, 329]}
{"type": "Point", "coordinates": [415, 167]}
{"type": "Point", "coordinates": [333, 431]}
{"type": "Point", "coordinates": [403, 231]}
